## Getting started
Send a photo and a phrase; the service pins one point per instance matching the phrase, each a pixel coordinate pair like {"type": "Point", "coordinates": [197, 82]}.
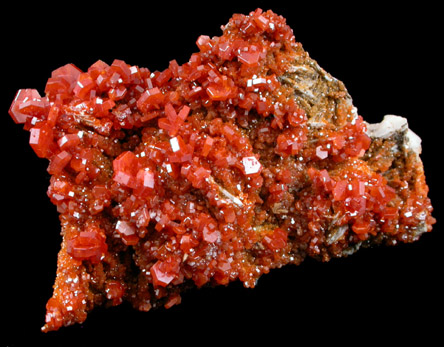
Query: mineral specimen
{"type": "Point", "coordinates": [246, 158]}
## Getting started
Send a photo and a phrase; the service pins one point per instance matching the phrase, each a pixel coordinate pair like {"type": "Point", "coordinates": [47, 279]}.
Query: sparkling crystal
{"type": "Point", "coordinates": [251, 165]}
{"type": "Point", "coordinates": [28, 103]}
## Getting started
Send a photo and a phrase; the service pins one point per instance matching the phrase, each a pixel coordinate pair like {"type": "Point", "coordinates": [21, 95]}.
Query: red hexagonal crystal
{"type": "Point", "coordinates": [87, 245]}
{"type": "Point", "coordinates": [163, 272]}
{"type": "Point", "coordinates": [125, 168]}
{"type": "Point", "coordinates": [28, 103]}
{"type": "Point", "coordinates": [41, 139]}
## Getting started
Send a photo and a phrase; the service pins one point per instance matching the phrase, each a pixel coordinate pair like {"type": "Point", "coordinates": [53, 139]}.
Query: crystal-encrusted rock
{"type": "Point", "coordinates": [246, 158]}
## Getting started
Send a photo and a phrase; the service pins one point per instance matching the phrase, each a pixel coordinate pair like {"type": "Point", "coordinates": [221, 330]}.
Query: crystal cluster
{"type": "Point", "coordinates": [216, 170]}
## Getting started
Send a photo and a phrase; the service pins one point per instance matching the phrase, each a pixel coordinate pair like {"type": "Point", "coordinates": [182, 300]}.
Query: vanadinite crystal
{"type": "Point", "coordinates": [246, 158]}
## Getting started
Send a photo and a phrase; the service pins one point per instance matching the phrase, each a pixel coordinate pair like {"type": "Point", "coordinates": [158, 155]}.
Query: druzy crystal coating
{"type": "Point", "coordinates": [208, 172]}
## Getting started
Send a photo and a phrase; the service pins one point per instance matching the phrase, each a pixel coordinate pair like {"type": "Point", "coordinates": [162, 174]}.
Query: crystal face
{"type": "Point", "coordinates": [220, 169]}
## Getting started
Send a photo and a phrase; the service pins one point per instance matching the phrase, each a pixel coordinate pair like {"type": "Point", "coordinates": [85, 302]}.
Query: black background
{"type": "Point", "coordinates": [388, 57]}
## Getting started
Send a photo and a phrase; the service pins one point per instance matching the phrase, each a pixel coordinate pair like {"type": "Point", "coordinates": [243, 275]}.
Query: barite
{"type": "Point", "coordinates": [246, 158]}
